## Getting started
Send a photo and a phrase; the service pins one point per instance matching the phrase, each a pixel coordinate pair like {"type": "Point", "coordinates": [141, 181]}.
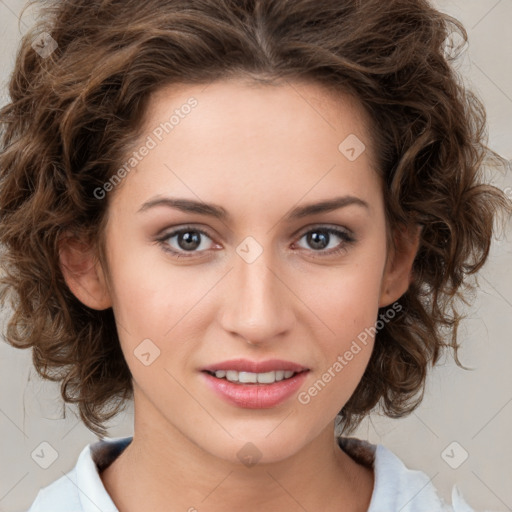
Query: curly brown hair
{"type": "Point", "coordinates": [75, 113]}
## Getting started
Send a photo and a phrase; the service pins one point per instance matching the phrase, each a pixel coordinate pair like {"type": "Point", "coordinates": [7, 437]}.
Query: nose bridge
{"type": "Point", "coordinates": [259, 307]}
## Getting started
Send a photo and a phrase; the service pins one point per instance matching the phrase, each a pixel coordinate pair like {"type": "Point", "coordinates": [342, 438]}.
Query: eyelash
{"type": "Point", "coordinates": [347, 239]}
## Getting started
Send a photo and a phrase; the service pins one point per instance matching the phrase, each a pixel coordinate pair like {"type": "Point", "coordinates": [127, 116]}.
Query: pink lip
{"type": "Point", "coordinates": [244, 365]}
{"type": "Point", "coordinates": [256, 396]}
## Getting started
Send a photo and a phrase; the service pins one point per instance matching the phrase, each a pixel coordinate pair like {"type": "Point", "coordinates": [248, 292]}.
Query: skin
{"type": "Point", "coordinates": [258, 151]}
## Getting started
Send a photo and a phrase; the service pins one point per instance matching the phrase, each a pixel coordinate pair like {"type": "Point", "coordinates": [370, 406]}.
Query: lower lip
{"type": "Point", "coordinates": [256, 396]}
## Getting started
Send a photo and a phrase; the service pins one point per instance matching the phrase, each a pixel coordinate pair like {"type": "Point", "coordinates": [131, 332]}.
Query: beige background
{"type": "Point", "coordinates": [471, 408]}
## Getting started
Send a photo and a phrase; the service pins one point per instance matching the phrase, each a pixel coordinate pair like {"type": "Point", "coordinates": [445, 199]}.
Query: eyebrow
{"type": "Point", "coordinates": [218, 212]}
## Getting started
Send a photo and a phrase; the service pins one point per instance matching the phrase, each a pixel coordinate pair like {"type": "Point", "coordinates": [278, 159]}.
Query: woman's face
{"type": "Point", "coordinates": [248, 274]}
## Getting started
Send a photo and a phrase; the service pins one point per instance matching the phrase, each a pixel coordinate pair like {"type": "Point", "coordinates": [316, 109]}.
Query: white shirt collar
{"type": "Point", "coordinates": [396, 487]}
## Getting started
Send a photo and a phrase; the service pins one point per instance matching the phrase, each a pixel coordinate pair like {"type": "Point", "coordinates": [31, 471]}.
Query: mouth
{"type": "Point", "coordinates": [255, 385]}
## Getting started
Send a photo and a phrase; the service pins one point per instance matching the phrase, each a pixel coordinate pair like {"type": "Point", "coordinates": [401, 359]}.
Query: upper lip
{"type": "Point", "coordinates": [245, 365]}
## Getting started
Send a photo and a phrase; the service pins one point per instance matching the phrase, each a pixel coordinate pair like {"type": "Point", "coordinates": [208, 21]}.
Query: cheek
{"type": "Point", "coordinates": [148, 294]}
{"type": "Point", "coordinates": [348, 297]}
{"type": "Point", "coordinates": [349, 307]}
{"type": "Point", "coordinates": [159, 310]}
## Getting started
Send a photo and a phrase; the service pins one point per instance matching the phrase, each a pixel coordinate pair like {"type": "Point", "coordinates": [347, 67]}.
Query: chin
{"type": "Point", "coordinates": [257, 445]}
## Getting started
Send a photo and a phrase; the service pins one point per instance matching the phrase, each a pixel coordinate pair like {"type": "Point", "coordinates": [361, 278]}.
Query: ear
{"type": "Point", "coordinates": [83, 273]}
{"type": "Point", "coordinates": [398, 272]}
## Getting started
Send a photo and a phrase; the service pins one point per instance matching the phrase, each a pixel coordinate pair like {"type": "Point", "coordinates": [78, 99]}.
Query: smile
{"type": "Point", "coordinates": [253, 378]}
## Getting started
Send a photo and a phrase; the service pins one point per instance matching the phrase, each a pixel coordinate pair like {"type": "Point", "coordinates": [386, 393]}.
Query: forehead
{"type": "Point", "coordinates": [314, 106]}
{"type": "Point", "coordinates": [259, 140]}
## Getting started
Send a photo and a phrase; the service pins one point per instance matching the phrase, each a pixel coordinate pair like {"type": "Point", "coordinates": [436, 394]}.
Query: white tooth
{"type": "Point", "coordinates": [232, 375]}
{"type": "Point", "coordinates": [267, 378]}
{"type": "Point", "coordinates": [253, 378]}
{"type": "Point", "coordinates": [247, 377]}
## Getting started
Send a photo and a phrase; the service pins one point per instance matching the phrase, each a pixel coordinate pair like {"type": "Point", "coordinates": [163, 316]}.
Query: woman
{"type": "Point", "coordinates": [252, 217]}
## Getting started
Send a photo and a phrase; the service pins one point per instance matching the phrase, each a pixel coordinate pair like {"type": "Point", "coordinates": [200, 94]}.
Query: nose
{"type": "Point", "coordinates": [258, 303]}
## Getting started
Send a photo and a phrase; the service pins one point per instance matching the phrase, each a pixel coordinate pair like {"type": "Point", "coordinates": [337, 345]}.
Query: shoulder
{"type": "Point", "coordinates": [81, 489]}
{"type": "Point", "coordinates": [397, 487]}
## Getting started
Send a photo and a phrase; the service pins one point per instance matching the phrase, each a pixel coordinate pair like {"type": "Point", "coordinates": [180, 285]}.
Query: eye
{"type": "Point", "coordinates": [189, 241]}
{"type": "Point", "coordinates": [185, 240]}
{"type": "Point", "coordinates": [326, 240]}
